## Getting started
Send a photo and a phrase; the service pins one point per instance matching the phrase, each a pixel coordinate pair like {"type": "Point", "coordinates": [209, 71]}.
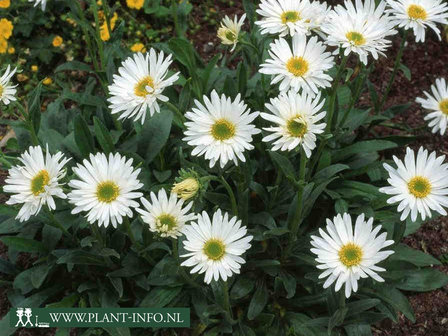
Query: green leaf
{"type": "Point", "coordinates": [73, 66]}
{"type": "Point", "coordinates": [337, 318]}
{"type": "Point", "coordinates": [34, 107]}
{"type": "Point", "coordinates": [358, 330]}
{"type": "Point", "coordinates": [242, 287]}
{"type": "Point", "coordinates": [67, 302]}
{"type": "Point", "coordinates": [393, 297]}
{"type": "Point", "coordinates": [258, 301]}
{"type": "Point", "coordinates": [359, 306]}
{"type": "Point", "coordinates": [39, 274]}
{"type": "Point", "coordinates": [118, 331]}
{"type": "Point", "coordinates": [160, 297]}
{"type": "Point", "coordinates": [406, 71]}
{"type": "Point", "coordinates": [154, 135]}
{"type": "Point", "coordinates": [362, 147]}
{"type": "Point", "coordinates": [83, 137]}
{"type": "Point", "coordinates": [80, 257]}
{"type": "Point", "coordinates": [422, 280]}
{"type": "Point", "coordinates": [23, 244]}
{"type": "Point", "coordinates": [328, 172]}
{"type": "Point", "coordinates": [415, 257]}
{"type": "Point", "coordinates": [103, 136]}
{"type": "Point", "coordinates": [183, 51]}
{"type": "Point", "coordinates": [283, 163]}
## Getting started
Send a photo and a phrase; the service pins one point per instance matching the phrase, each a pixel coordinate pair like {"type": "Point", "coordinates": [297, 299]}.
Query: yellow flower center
{"type": "Point", "coordinates": [417, 12]}
{"type": "Point", "coordinates": [297, 127]}
{"type": "Point", "coordinates": [298, 66]}
{"type": "Point", "coordinates": [223, 129]}
{"type": "Point", "coordinates": [107, 192]}
{"type": "Point", "coordinates": [140, 88]}
{"type": "Point", "coordinates": [290, 16]}
{"type": "Point", "coordinates": [419, 186]}
{"type": "Point", "coordinates": [39, 182]}
{"type": "Point", "coordinates": [166, 222]}
{"type": "Point", "coordinates": [350, 255]}
{"type": "Point", "coordinates": [214, 249]}
{"type": "Point", "coordinates": [1, 90]}
{"type": "Point", "coordinates": [443, 105]}
{"type": "Point", "coordinates": [230, 35]}
{"type": "Point", "coordinates": [356, 38]}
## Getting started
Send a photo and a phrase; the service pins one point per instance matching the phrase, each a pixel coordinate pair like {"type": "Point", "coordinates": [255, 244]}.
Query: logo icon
{"type": "Point", "coordinates": [24, 313]}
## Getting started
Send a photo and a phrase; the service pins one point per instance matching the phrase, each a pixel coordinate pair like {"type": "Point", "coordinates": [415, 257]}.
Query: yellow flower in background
{"type": "Point", "coordinates": [136, 4]}
{"type": "Point", "coordinates": [71, 21]}
{"type": "Point", "coordinates": [6, 27]}
{"type": "Point", "coordinates": [3, 46]}
{"type": "Point", "coordinates": [22, 77]}
{"type": "Point", "coordinates": [47, 81]}
{"type": "Point", "coordinates": [34, 68]}
{"type": "Point", "coordinates": [57, 41]}
{"type": "Point", "coordinates": [11, 50]}
{"type": "Point", "coordinates": [104, 31]}
{"type": "Point", "coordinates": [5, 3]}
{"type": "Point", "coordinates": [138, 47]}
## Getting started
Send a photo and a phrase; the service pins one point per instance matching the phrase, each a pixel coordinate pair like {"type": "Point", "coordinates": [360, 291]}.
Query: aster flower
{"type": "Point", "coordinates": [36, 182]}
{"type": "Point", "coordinates": [7, 91]}
{"type": "Point", "coordinates": [346, 256]}
{"type": "Point", "coordinates": [420, 184]}
{"type": "Point", "coordinates": [303, 67]}
{"type": "Point", "coordinates": [361, 28]}
{"type": "Point", "coordinates": [140, 84]}
{"type": "Point", "coordinates": [419, 14]}
{"type": "Point", "coordinates": [296, 118]}
{"type": "Point", "coordinates": [229, 31]}
{"type": "Point", "coordinates": [166, 215]}
{"type": "Point", "coordinates": [106, 189]}
{"type": "Point", "coordinates": [438, 105]}
{"type": "Point", "coordinates": [290, 17]}
{"type": "Point", "coordinates": [221, 130]}
{"type": "Point", "coordinates": [215, 246]}
{"type": "Point", "coordinates": [43, 3]}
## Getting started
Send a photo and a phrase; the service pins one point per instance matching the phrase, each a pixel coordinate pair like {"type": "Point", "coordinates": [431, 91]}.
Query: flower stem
{"type": "Point", "coordinates": [225, 294]}
{"type": "Point", "coordinates": [127, 225]}
{"type": "Point", "coordinates": [395, 71]}
{"type": "Point", "coordinates": [359, 85]}
{"type": "Point", "coordinates": [331, 108]}
{"type": "Point", "coordinates": [294, 225]}
{"type": "Point", "coordinates": [55, 223]}
{"type": "Point", "coordinates": [334, 92]}
{"type": "Point", "coordinates": [173, 108]}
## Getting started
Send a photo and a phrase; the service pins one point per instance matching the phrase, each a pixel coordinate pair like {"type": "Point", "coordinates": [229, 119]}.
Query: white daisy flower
{"type": "Point", "coordinates": [7, 91]}
{"type": "Point", "coordinates": [164, 215]}
{"type": "Point", "coordinates": [346, 256]}
{"type": "Point", "coordinates": [43, 3]}
{"type": "Point", "coordinates": [291, 17]}
{"type": "Point", "coordinates": [215, 246]}
{"type": "Point", "coordinates": [419, 184]}
{"type": "Point", "coordinates": [361, 29]}
{"type": "Point", "coordinates": [303, 67]}
{"type": "Point", "coordinates": [106, 189]}
{"type": "Point", "coordinates": [221, 130]}
{"type": "Point", "coordinates": [438, 104]}
{"type": "Point", "coordinates": [419, 14]}
{"type": "Point", "coordinates": [36, 182]}
{"type": "Point", "coordinates": [229, 31]}
{"type": "Point", "coordinates": [296, 118]}
{"type": "Point", "coordinates": [140, 84]}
